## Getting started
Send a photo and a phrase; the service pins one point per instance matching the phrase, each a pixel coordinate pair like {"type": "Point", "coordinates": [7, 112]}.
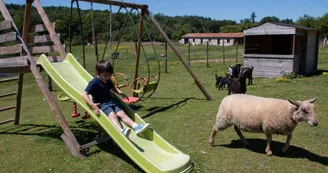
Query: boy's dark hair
{"type": "Point", "coordinates": [104, 66]}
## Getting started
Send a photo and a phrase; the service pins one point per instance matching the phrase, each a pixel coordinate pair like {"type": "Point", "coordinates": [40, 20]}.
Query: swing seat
{"type": "Point", "coordinates": [131, 100]}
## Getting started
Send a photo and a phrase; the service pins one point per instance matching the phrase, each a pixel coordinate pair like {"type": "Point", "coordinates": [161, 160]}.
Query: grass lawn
{"type": "Point", "coordinates": [178, 111]}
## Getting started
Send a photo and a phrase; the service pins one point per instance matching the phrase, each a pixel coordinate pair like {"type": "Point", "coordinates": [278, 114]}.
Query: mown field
{"type": "Point", "coordinates": [178, 111]}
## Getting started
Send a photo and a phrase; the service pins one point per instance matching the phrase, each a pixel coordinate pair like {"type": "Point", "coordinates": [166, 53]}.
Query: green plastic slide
{"type": "Point", "coordinates": [148, 149]}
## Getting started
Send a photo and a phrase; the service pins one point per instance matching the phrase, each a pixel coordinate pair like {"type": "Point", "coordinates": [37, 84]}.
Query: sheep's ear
{"type": "Point", "coordinates": [311, 100]}
{"type": "Point", "coordinates": [294, 103]}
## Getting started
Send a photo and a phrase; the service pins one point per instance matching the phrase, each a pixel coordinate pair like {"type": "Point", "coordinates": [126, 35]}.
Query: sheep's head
{"type": "Point", "coordinates": [305, 111]}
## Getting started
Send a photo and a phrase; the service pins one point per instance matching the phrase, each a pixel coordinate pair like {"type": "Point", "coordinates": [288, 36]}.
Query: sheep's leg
{"type": "Point", "coordinates": [268, 148]}
{"type": "Point", "coordinates": [241, 136]}
{"type": "Point", "coordinates": [285, 148]}
{"type": "Point", "coordinates": [218, 126]}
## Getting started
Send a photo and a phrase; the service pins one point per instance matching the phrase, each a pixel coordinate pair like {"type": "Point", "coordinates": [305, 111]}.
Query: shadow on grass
{"type": "Point", "coordinates": [173, 106]}
{"type": "Point", "coordinates": [258, 146]}
{"type": "Point", "coordinates": [84, 132]}
{"type": "Point", "coordinates": [317, 73]}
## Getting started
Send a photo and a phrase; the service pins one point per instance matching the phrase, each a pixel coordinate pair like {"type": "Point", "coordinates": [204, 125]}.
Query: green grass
{"type": "Point", "coordinates": [178, 111]}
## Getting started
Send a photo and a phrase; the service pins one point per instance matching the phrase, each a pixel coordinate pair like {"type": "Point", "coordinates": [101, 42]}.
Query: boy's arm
{"type": "Point", "coordinates": [87, 99]}
{"type": "Point", "coordinates": [117, 91]}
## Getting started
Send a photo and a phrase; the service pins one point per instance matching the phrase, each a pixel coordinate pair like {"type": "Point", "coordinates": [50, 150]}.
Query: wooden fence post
{"type": "Point", "coordinates": [189, 54]}
{"type": "Point", "coordinates": [207, 65]}
{"type": "Point", "coordinates": [165, 57]}
{"type": "Point", "coordinates": [223, 53]}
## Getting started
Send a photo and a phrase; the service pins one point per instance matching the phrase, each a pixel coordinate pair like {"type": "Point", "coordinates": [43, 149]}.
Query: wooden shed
{"type": "Point", "coordinates": [275, 48]}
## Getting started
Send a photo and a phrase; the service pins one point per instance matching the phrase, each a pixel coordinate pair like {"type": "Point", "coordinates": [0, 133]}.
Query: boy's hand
{"type": "Point", "coordinates": [124, 96]}
{"type": "Point", "coordinates": [95, 108]}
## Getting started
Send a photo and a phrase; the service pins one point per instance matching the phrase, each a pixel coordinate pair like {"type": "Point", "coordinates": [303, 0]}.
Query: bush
{"type": "Point", "coordinates": [282, 80]}
{"type": "Point", "coordinates": [291, 75]}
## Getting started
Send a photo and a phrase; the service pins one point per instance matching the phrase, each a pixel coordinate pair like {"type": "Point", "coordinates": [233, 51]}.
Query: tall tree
{"type": "Point", "coordinates": [253, 16]}
{"type": "Point", "coordinates": [266, 19]}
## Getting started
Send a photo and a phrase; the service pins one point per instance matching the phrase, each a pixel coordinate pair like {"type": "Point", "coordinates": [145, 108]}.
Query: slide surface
{"type": "Point", "coordinates": [148, 150]}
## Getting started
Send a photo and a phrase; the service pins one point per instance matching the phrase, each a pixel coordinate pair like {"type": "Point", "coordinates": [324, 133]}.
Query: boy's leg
{"type": "Point", "coordinates": [126, 119]}
{"type": "Point", "coordinates": [109, 111]}
{"type": "Point", "coordinates": [114, 118]}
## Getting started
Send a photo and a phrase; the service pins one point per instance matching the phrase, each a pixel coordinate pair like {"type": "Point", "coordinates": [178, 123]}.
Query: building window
{"type": "Point", "coordinates": [219, 41]}
{"type": "Point", "coordinates": [193, 40]}
{"type": "Point", "coordinates": [228, 40]}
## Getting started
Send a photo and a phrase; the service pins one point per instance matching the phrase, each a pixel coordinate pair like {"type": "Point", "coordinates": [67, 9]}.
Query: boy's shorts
{"type": "Point", "coordinates": [109, 107]}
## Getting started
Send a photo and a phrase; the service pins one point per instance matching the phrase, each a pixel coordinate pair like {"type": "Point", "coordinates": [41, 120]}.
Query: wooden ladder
{"type": "Point", "coordinates": [11, 61]}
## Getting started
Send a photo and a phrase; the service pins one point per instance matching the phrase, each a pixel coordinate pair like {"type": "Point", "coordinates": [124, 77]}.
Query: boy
{"type": "Point", "coordinates": [99, 88]}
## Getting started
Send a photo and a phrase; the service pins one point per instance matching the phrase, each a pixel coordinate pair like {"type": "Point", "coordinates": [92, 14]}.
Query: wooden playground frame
{"type": "Point", "coordinates": [25, 63]}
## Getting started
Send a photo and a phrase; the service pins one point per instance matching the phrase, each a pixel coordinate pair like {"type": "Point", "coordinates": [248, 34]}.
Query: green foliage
{"type": "Point", "coordinates": [291, 75]}
{"type": "Point", "coordinates": [272, 19]}
{"type": "Point", "coordinates": [282, 80]}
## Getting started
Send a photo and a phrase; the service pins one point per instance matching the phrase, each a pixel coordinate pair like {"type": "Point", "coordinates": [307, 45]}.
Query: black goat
{"type": "Point", "coordinates": [237, 84]}
{"type": "Point", "coordinates": [221, 82]}
{"type": "Point", "coordinates": [234, 70]}
{"type": "Point", "coordinates": [248, 73]}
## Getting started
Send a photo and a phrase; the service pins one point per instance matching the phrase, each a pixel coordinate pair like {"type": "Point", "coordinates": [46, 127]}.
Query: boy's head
{"type": "Point", "coordinates": [104, 70]}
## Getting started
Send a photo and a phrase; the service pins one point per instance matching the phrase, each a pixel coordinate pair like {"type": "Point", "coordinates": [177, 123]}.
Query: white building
{"type": "Point", "coordinates": [218, 39]}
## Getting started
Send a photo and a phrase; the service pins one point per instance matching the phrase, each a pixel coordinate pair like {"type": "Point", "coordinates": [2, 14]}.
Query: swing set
{"type": "Point", "coordinates": [141, 87]}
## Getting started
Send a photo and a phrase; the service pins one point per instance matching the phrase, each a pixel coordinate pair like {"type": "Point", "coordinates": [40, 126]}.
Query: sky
{"type": "Point", "coordinates": [218, 9]}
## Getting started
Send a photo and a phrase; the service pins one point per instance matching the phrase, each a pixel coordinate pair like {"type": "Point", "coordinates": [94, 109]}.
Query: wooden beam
{"type": "Point", "coordinates": [13, 62]}
{"type": "Point", "coordinates": [7, 108]}
{"type": "Point", "coordinates": [59, 47]}
{"type": "Point", "coordinates": [8, 79]}
{"type": "Point", "coordinates": [11, 49]}
{"type": "Point", "coordinates": [166, 38]}
{"type": "Point", "coordinates": [71, 140]}
{"type": "Point", "coordinates": [136, 75]}
{"type": "Point", "coordinates": [42, 49]}
{"type": "Point", "coordinates": [41, 27]}
{"type": "Point", "coordinates": [17, 69]}
{"type": "Point", "coordinates": [8, 94]}
{"type": "Point", "coordinates": [118, 3]}
{"type": "Point", "coordinates": [7, 121]}
{"type": "Point", "coordinates": [11, 36]}
{"type": "Point", "coordinates": [19, 98]}
{"type": "Point", "coordinates": [40, 39]}
{"type": "Point", "coordinates": [50, 58]}
{"type": "Point", "coordinates": [6, 24]}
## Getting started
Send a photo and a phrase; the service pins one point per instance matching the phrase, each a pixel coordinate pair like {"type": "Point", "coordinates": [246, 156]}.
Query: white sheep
{"type": "Point", "coordinates": [263, 115]}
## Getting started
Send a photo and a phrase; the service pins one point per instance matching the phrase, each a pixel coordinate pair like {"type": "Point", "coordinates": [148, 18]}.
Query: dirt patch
{"type": "Point", "coordinates": [213, 60]}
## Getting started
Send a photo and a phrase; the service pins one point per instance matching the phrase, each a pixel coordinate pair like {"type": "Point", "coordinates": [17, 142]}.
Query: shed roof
{"type": "Point", "coordinates": [275, 29]}
{"type": "Point", "coordinates": [214, 35]}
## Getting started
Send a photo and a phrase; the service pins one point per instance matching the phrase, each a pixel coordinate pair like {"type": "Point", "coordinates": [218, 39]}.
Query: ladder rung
{"type": "Point", "coordinates": [8, 94]}
{"type": "Point", "coordinates": [7, 121]}
{"type": "Point", "coordinates": [9, 79]}
{"type": "Point", "coordinates": [7, 108]}
{"type": "Point", "coordinates": [96, 142]}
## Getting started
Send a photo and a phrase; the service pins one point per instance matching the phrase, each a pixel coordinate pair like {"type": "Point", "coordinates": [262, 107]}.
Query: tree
{"type": "Point", "coordinates": [253, 16]}
{"type": "Point", "coordinates": [307, 21]}
{"type": "Point", "coordinates": [288, 21]}
{"type": "Point", "coordinates": [272, 19]}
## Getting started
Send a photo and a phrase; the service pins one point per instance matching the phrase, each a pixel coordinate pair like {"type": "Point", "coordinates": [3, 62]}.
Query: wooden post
{"type": "Point", "coordinates": [51, 101]}
{"type": "Point", "coordinates": [237, 51]}
{"type": "Point", "coordinates": [27, 17]}
{"type": "Point", "coordinates": [189, 54]}
{"type": "Point", "coordinates": [165, 57]}
{"type": "Point", "coordinates": [50, 83]}
{"type": "Point", "coordinates": [207, 55]}
{"type": "Point", "coordinates": [223, 52]}
{"type": "Point", "coordinates": [166, 38]}
{"type": "Point", "coordinates": [138, 47]}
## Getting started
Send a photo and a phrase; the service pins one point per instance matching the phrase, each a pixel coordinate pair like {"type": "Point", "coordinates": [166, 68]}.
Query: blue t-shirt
{"type": "Point", "coordinates": [100, 91]}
